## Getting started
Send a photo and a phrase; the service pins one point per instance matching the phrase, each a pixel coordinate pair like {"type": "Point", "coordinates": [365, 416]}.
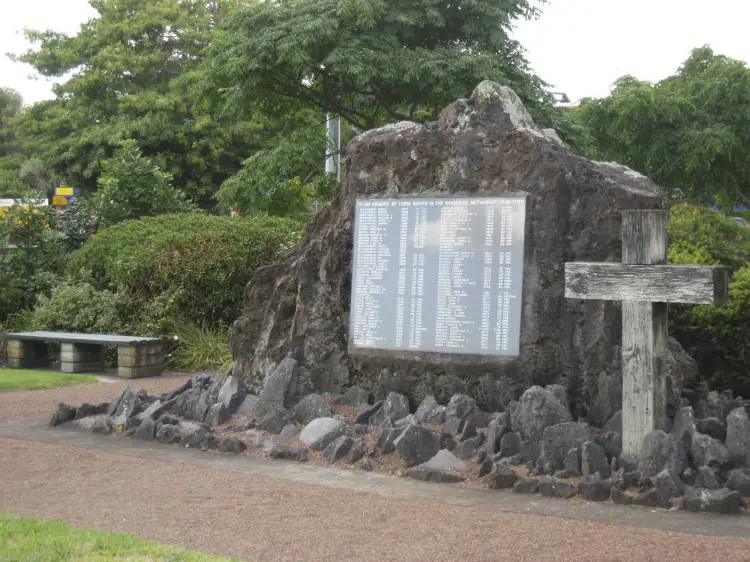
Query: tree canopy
{"type": "Point", "coordinates": [688, 132]}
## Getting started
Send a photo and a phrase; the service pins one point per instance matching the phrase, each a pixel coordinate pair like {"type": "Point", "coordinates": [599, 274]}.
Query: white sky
{"type": "Point", "coordinates": [579, 46]}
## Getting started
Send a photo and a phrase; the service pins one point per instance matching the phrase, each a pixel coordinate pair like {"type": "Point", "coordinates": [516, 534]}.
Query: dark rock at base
{"type": "Point", "coordinates": [276, 385]}
{"type": "Point", "coordinates": [101, 408]}
{"type": "Point", "coordinates": [146, 430]}
{"type": "Point", "coordinates": [661, 450]}
{"type": "Point", "coordinates": [232, 393]}
{"type": "Point", "coordinates": [451, 425]}
{"type": "Point", "coordinates": [689, 476]}
{"type": "Point", "coordinates": [593, 488]}
{"type": "Point", "coordinates": [467, 449]}
{"type": "Point", "coordinates": [553, 488]}
{"type": "Point", "coordinates": [707, 451]}
{"type": "Point", "coordinates": [683, 425]}
{"type": "Point", "coordinates": [200, 439]}
{"type": "Point", "coordinates": [386, 439]}
{"type": "Point", "coordinates": [231, 444]}
{"type": "Point", "coordinates": [620, 496]}
{"type": "Point", "coordinates": [217, 415]}
{"type": "Point", "coordinates": [428, 475]}
{"type": "Point", "coordinates": [248, 404]}
{"type": "Point", "coordinates": [338, 448]}
{"type": "Point", "coordinates": [645, 484]}
{"type": "Point", "coordinates": [99, 424]}
{"type": "Point", "coordinates": [560, 438]}
{"type": "Point", "coordinates": [311, 407]}
{"type": "Point", "coordinates": [288, 431]}
{"type": "Point", "coordinates": [320, 432]}
{"type": "Point", "coordinates": [395, 406]}
{"type": "Point", "coordinates": [168, 434]}
{"type": "Point", "coordinates": [445, 461]}
{"type": "Point", "coordinates": [354, 395]}
{"type": "Point", "coordinates": [467, 430]}
{"type": "Point", "coordinates": [63, 412]}
{"type": "Point", "coordinates": [274, 421]}
{"type": "Point", "coordinates": [481, 455]}
{"type": "Point", "coordinates": [501, 478]}
{"type": "Point", "coordinates": [538, 409]}
{"type": "Point", "coordinates": [739, 481]}
{"type": "Point", "coordinates": [526, 486]}
{"type": "Point", "coordinates": [486, 467]}
{"type": "Point", "coordinates": [712, 427]}
{"type": "Point", "coordinates": [738, 435]}
{"type": "Point", "coordinates": [447, 442]}
{"type": "Point", "coordinates": [564, 475]}
{"type": "Point", "coordinates": [706, 477]}
{"type": "Point", "coordinates": [85, 410]}
{"type": "Point", "coordinates": [611, 442]}
{"type": "Point", "coordinates": [460, 405]}
{"type": "Point", "coordinates": [430, 412]}
{"type": "Point", "coordinates": [668, 487]}
{"type": "Point", "coordinates": [593, 460]}
{"type": "Point", "coordinates": [650, 498]}
{"type": "Point", "coordinates": [125, 405]}
{"type": "Point", "coordinates": [417, 444]}
{"type": "Point", "coordinates": [368, 412]}
{"type": "Point", "coordinates": [495, 432]}
{"type": "Point", "coordinates": [286, 452]}
{"type": "Point", "coordinates": [572, 462]}
{"type": "Point", "coordinates": [510, 444]}
{"type": "Point", "coordinates": [713, 501]}
{"type": "Point", "coordinates": [614, 423]}
{"type": "Point", "coordinates": [622, 480]}
{"type": "Point", "coordinates": [356, 452]}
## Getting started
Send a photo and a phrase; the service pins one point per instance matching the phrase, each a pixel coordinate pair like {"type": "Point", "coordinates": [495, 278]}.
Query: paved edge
{"type": "Point", "coordinates": [701, 524]}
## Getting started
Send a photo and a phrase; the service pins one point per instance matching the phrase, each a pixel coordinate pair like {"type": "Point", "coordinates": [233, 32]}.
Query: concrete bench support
{"type": "Point", "coordinates": [81, 358]}
{"type": "Point", "coordinates": [140, 361]}
{"type": "Point", "coordinates": [27, 354]}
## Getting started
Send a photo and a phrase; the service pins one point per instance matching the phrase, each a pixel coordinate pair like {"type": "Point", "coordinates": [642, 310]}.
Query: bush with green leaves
{"type": "Point", "coordinates": [181, 268]}
{"type": "Point", "coordinates": [718, 337]}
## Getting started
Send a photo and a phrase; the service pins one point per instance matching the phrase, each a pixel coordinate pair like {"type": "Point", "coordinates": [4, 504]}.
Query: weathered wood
{"type": "Point", "coordinates": [694, 284]}
{"type": "Point", "coordinates": [644, 334]}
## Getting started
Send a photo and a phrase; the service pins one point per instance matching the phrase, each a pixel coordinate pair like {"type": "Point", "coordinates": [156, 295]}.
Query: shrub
{"type": "Point", "coordinates": [182, 268]}
{"type": "Point", "coordinates": [200, 349]}
{"type": "Point", "coordinates": [717, 337]}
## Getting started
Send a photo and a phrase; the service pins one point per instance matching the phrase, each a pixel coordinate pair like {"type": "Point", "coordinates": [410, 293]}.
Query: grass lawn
{"type": "Point", "coordinates": [11, 379]}
{"type": "Point", "coordinates": [23, 539]}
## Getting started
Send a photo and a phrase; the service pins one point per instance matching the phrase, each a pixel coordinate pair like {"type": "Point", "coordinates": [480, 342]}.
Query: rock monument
{"type": "Point", "coordinates": [486, 146]}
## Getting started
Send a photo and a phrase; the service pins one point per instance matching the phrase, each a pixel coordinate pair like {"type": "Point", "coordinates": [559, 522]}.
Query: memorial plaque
{"type": "Point", "coordinates": [438, 275]}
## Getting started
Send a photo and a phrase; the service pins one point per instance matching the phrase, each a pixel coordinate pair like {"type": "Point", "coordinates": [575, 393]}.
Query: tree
{"type": "Point", "coordinates": [688, 132]}
{"type": "Point", "coordinates": [131, 186]}
{"type": "Point", "coordinates": [370, 61]}
{"type": "Point", "coordinates": [10, 158]}
{"type": "Point", "coordinates": [134, 68]}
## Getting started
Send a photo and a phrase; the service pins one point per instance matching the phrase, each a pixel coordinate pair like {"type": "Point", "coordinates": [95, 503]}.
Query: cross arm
{"type": "Point", "coordinates": [693, 284]}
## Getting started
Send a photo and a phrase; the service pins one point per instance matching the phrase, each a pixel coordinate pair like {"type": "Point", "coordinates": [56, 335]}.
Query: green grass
{"type": "Point", "coordinates": [12, 379]}
{"type": "Point", "coordinates": [23, 539]}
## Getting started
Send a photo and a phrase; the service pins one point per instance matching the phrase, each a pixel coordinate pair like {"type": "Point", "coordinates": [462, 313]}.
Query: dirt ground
{"type": "Point", "coordinates": [259, 518]}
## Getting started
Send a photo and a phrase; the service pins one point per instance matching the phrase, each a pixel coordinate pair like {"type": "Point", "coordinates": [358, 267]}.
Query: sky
{"type": "Point", "coordinates": [580, 47]}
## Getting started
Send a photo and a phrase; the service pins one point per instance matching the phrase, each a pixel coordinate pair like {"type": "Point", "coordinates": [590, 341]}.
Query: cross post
{"type": "Point", "coordinates": [645, 284]}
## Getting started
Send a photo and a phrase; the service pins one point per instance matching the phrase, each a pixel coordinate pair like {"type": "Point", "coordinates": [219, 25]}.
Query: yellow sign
{"type": "Point", "coordinates": [59, 201]}
{"type": "Point", "coordinates": [63, 190]}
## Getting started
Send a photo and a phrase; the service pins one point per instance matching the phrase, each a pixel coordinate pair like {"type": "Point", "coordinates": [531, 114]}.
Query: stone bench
{"type": "Point", "coordinates": [79, 353]}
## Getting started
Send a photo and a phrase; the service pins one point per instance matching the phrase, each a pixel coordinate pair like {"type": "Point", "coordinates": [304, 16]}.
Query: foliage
{"type": "Point", "coordinates": [13, 379]}
{"type": "Point", "coordinates": [200, 348]}
{"type": "Point", "coordinates": [10, 106]}
{"type": "Point", "coordinates": [24, 539]}
{"type": "Point", "coordinates": [131, 186]}
{"type": "Point", "coordinates": [717, 337]}
{"type": "Point", "coordinates": [134, 68]}
{"type": "Point", "coordinates": [77, 223]}
{"type": "Point", "coordinates": [79, 307]}
{"type": "Point", "coordinates": [185, 267]}
{"type": "Point", "coordinates": [369, 61]}
{"type": "Point", "coordinates": [688, 132]}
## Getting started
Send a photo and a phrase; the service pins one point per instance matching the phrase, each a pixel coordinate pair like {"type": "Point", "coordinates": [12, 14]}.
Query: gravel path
{"type": "Point", "coordinates": [260, 518]}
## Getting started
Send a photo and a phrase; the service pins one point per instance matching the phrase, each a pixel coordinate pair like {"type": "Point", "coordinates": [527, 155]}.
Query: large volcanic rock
{"type": "Point", "coordinates": [484, 146]}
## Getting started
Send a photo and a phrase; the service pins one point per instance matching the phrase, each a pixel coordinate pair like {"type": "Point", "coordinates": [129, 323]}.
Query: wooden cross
{"type": "Point", "coordinates": [645, 284]}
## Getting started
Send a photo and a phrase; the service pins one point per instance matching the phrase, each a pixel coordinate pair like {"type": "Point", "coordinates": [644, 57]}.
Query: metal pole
{"type": "Point", "coordinates": [333, 146]}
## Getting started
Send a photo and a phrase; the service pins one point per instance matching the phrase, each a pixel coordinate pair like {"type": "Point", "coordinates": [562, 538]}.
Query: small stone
{"type": "Point", "coordinates": [468, 430]}
{"type": "Point", "coordinates": [200, 439]}
{"type": "Point", "coordinates": [593, 488]}
{"type": "Point", "coordinates": [738, 436]}
{"type": "Point", "coordinates": [611, 442]}
{"type": "Point", "coordinates": [460, 405]}
{"type": "Point", "coordinates": [417, 444]}
{"type": "Point", "coordinates": [338, 448]}
{"type": "Point", "coordinates": [100, 424]}
{"type": "Point", "coordinates": [553, 488]}
{"type": "Point", "coordinates": [689, 476]}
{"type": "Point", "coordinates": [365, 464]}
{"type": "Point", "coordinates": [146, 430]}
{"type": "Point", "coordinates": [683, 425]}
{"type": "Point", "coordinates": [538, 409]}
{"type": "Point", "coordinates": [248, 404]}
{"type": "Point", "coordinates": [63, 412]}
{"type": "Point", "coordinates": [85, 410]}
{"type": "Point", "coordinates": [320, 432]}
{"type": "Point", "coordinates": [572, 463]}
{"type": "Point", "coordinates": [408, 420]}
{"type": "Point", "coordinates": [354, 395]}
{"type": "Point", "coordinates": [510, 444]}
{"type": "Point", "coordinates": [366, 413]}
{"type": "Point", "coordinates": [495, 432]}
{"type": "Point", "coordinates": [274, 421]}
{"type": "Point", "coordinates": [649, 498]}
{"type": "Point", "coordinates": [593, 460]}
{"type": "Point", "coordinates": [231, 444]}
{"type": "Point", "coordinates": [645, 484]}
{"type": "Point", "coordinates": [706, 477]}
{"type": "Point", "coordinates": [288, 431]}
{"type": "Point", "coordinates": [707, 451]}
{"type": "Point", "coordinates": [620, 496]}
{"type": "Point", "coordinates": [486, 467]}
{"type": "Point", "coordinates": [395, 406]}
{"type": "Point", "coordinates": [232, 393]}
{"type": "Point", "coordinates": [356, 452]}
{"type": "Point", "coordinates": [661, 450]}
{"type": "Point", "coordinates": [466, 449]}
{"type": "Point", "coordinates": [387, 438]}
{"type": "Point", "coordinates": [501, 478]}
{"type": "Point", "coordinates": [311, 407]}
{"type": "Point", "coordinates": [287, 452]}
{"type": "Point", "coordinates": [447, 442]}
{"type": "Point", "coordinates": [668, 487]}
{"type": "Point", "coordinates": [429, 475]}
{"type": "Point", "coordinates": [430, 412]}
{"type": "Point", "coordinates": [558, 439]}
{"type": "Point", "coordinates": [712, 427]}
{"type": "Point", "coordinates": [526, 486]}
{"type": "Point", "coordinates": [217, 415]}
{"type": "Point", "coordinates": [168, 434]}
{"type": "Point", "coordinates": [614, 423]}
{"type": "Point", "coordinates": [713, 501]}
{"type": "Point", "coordinates": [739, 481]}
{"type": "Point", "coordinates": [273, 396]}
{"type": "Point", "coordinates": [446, 462]}
{"type": "Point", "coordinates": [623, 480]}
{"type": "Point", "coordinates": [481, 456]}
